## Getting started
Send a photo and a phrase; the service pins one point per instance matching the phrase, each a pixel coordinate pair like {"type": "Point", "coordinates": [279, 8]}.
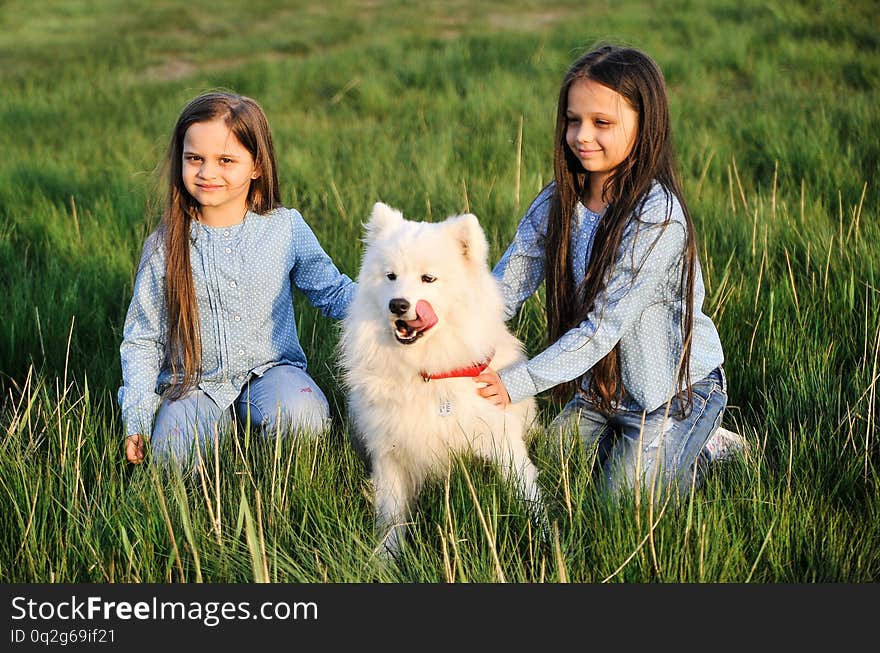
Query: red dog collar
{"type": "Point", "coordinates": [471, 370]}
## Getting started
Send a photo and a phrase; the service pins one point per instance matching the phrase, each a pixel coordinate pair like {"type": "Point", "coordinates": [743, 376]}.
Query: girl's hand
{"type": "Point", "coordinates": [134, 449]}
{"type": "Point", "coordinates": [494, 389]}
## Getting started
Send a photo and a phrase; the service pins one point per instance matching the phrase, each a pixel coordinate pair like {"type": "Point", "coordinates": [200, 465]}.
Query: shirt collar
{"type": "Point", "coordinates": [199, 230]}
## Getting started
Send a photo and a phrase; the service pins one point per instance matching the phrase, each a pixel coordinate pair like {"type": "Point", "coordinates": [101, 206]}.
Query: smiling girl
{"type": "Point", "coordinates": [614, 239]}
{"type": "Point", "coordinates": [210, 333]}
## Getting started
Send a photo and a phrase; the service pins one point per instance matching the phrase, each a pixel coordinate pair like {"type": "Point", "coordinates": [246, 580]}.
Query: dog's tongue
{"type": "Point", "coordinates": [425, 317]}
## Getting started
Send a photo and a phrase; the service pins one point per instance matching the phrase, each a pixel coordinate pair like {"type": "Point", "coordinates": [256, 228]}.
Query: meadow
{"type": "Point", "coordinates": [436, 110]}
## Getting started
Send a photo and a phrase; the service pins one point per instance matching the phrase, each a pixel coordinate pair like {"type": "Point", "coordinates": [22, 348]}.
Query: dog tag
{"type": "Point", "coordinates": [445, 408]}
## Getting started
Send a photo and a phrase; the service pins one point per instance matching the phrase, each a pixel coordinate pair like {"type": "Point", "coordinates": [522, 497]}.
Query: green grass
{"type": "Point", "coordinates": [437, 110]}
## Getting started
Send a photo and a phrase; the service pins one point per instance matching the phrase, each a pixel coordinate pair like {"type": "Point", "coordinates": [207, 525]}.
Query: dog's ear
{"type": "Point", "coordinates": [381, 220]}
{"type": "Point", "coordinates": [467, 230]}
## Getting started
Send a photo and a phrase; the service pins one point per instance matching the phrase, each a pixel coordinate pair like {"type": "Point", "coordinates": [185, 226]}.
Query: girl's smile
{"type": "Point", "coordinates": [583, 153]}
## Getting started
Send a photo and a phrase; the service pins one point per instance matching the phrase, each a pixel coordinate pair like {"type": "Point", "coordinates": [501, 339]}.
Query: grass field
{"type": "Point", "coordinates": [438, 109]}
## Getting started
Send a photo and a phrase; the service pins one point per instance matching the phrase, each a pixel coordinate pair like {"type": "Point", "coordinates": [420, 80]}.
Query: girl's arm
{"type": "Point", "coordinates": [316, 275]}
{"type": "Point", "coordinates": [521, 268]}
{"type": "Point", "coordinates": [143, 343]}
{"type": "Point", "coordinates": [649, 257]}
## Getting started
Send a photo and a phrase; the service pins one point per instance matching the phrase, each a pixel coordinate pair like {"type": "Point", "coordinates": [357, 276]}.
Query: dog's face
{"type": "Point", "coordinates": [420, 277]}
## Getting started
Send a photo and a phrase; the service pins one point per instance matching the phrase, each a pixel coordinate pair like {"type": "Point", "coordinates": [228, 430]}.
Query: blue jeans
{"type": "Point", "coordinates": [283, 399]}
{"type": "Point", "coordinates": [659, 449]}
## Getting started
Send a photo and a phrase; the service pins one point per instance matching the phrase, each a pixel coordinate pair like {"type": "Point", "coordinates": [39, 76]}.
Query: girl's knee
{"type": "Point", "coordinates": [310, 417]}
{"type": "Point", "coordinates": [284, 399]}
{"type": "Point", "coordinates": [577, 425]}
{"type": "Point", "coordinates": [311, 423]}
{"type": "Point", "coordinates": [173, 451]}
{"type": "Point", "coordinates": [297, 415]}
{"type": "Point", "coordinates": [171, 458]}
{"type": "Point", "coordinates": [183, 433]}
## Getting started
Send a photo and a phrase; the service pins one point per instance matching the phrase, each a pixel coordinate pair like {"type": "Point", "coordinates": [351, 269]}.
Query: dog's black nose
{"type": "Point", "coordinates": [398, 306]}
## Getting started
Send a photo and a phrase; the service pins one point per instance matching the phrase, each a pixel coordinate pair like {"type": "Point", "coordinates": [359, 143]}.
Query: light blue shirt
{"type": "Point", "coordinates": [640, 307]}
{"type": "Point", "coordinates": [244, 277]}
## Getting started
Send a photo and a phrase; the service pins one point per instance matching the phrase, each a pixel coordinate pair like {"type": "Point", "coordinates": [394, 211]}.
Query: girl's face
{"type": "Point", "coordinates": [601, 128]}
{"type": "Point", "coordinates": [217, 172]}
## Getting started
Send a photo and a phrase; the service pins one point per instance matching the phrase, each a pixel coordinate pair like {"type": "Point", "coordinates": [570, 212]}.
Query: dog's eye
{"type": "Point", "coordinates": [428, 278]}
{"type": "Point", "coordinates": [391, 276]}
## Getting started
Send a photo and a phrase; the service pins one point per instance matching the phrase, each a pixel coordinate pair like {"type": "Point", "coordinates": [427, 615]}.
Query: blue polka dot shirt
{"type": "Point", "coordinates": [640, 307]}
{"type": "Point", "coordinates": [244, 278]}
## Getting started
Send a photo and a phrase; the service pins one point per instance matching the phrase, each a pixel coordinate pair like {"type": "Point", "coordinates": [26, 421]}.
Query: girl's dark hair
{"type": "Point", "coordinates": [638, 79]}
{"type": "Point", "coordinates": [248, 123]}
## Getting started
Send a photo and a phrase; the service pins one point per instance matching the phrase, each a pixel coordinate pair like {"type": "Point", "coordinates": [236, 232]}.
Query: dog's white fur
{"type": "Point", "coordinates": [408, 427]}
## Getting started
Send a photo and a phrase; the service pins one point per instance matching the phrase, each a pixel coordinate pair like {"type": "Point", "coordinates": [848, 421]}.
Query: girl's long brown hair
{"type": "Point", "coordinates": [246, 120]}
{"type": "Point", "coordinates": [640, 82]}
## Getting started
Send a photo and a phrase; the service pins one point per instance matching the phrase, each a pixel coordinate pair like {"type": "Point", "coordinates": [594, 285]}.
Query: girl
{"type": "Point", "coordinates": [211, 328]}
{"type": "Point", "coordinates": [614, 238]}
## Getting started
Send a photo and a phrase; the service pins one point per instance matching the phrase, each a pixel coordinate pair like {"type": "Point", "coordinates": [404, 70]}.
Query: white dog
{"type": "Point", "coordinates": [426, 318]}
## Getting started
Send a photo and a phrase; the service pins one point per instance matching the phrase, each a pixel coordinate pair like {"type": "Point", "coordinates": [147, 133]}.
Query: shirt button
{"type": "Point", "coordinates": [241, 352]}
{"type": "Point", "coordinates": [226, 233]}
{"type": "Point", "coordinates": [228, 250]}
{"type": "Point", "coordinates": [232, 284]}
{"type": "Point", "coordinates": [237, 318]}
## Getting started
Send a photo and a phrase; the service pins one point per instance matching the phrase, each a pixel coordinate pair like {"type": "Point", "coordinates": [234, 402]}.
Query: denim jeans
{"type": "Point", "coordinates": [661, 449]}
{"type": "Point", "coordinates": [283, 399]}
